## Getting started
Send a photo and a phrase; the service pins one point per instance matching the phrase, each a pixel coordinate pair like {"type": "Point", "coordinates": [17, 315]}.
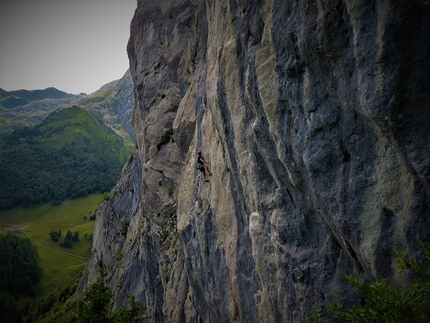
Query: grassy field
{"type": "Point", "coordinates": [61, 266]}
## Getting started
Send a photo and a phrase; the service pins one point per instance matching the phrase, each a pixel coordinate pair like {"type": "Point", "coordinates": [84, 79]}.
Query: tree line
{"type": "Point", "coordinates": [92, 306]}
{"type": "Point", "coordinates": [67, 241]}
{"type": "Point", "coordinates": [20, 270]}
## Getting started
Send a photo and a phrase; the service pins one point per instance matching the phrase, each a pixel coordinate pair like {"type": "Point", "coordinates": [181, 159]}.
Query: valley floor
{"type": "Point", "coordinates": [61, 266]}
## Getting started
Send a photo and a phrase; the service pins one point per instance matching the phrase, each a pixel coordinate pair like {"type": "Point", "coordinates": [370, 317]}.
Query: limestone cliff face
{"type": "Point", "coordinates": [314, 118]}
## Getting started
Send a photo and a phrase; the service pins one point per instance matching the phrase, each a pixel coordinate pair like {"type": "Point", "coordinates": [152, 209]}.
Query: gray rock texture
{"type": "Point", "coordinates": [113, 103]}
{"type": "Point", "coordinates": [314, 117]}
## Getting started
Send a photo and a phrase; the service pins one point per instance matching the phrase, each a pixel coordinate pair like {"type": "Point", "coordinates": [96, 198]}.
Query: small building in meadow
{"type": "Point", "coordinates": [15, 228]}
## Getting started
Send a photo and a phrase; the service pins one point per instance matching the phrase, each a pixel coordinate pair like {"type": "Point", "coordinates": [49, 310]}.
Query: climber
{"type": "Point", "coordinates": [201, 165]}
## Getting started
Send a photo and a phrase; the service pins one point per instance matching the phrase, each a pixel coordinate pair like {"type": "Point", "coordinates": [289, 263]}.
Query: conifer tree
{"type": "Point", "coordinates": [386, 303]}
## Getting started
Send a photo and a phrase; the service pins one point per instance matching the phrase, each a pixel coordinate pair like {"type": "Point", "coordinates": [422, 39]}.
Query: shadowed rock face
{"type": "Point", "coordinates": [314, 118]}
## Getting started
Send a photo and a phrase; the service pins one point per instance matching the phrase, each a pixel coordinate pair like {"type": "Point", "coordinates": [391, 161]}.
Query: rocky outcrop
{"type": "Point", "coordinates": [313, 116]}
{"type": "Point", "coordinates": [113, 103]}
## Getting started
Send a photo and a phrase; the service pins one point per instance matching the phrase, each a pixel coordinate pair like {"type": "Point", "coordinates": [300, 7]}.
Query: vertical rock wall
{"type": "Point", "coordinates": [314, 118]}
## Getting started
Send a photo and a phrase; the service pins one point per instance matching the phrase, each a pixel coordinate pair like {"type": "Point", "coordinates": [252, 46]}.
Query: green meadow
{"type": "Point", "coordinates": [61, 266]}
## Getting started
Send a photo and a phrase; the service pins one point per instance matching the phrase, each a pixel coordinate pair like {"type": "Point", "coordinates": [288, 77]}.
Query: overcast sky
{"type": "Point", "coordinates": [73, 45]}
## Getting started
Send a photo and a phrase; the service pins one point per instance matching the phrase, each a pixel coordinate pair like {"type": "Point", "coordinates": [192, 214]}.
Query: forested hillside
{"type": "Point", "coordinates": [70, 154]}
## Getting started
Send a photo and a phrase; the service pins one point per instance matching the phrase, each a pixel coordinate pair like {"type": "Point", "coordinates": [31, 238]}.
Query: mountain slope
{"type": "Point", "coordinates": [23, 108]}
{"type": "Point", "coordinates": [113, 103]}
{"type": "Point", "coordinates": [314, 117]}
{"type": "Point", "coordinates": [69, 154]}
{"type": "Point", "coordinates": [26, 96]}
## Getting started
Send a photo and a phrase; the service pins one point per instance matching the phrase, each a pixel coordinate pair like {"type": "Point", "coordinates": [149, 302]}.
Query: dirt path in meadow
{"type": "Point", "coordinates": [65, 252]}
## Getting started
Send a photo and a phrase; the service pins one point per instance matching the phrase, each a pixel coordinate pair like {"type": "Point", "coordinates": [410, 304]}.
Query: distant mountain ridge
{"type": "Point", "coordinates": [32, 95]}
{"type": "Point", "coordinates": [113, 103]}
{"type": "Point", "coordinates": [23, 108]}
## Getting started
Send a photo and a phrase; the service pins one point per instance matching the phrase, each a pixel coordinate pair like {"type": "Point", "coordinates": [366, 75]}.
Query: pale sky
{"type": "Point", "coordinates": [73, 45]}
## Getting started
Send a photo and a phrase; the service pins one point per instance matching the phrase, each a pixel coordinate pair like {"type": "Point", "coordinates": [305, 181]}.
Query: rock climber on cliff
{"type": "Point", "coordinates": [201, 165]}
